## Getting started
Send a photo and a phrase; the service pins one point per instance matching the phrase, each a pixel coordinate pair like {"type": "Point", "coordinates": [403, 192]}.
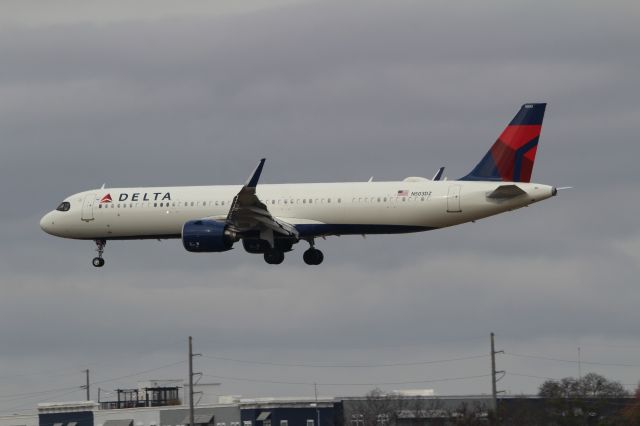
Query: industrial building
{"type": "Point", "coordinates": [159, 403]}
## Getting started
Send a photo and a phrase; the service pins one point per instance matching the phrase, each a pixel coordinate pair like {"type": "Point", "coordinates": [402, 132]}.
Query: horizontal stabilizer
{"type": "Point", "coordinates": [506, 191]}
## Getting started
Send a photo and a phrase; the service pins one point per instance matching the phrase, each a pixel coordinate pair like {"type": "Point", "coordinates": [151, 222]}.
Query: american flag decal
{"type": "Point", "coordinates": [403, 193]}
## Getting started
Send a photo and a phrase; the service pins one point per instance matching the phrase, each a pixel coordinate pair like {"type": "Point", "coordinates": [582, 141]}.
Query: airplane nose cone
{"type": "Point", "coordinates": [46, 223]}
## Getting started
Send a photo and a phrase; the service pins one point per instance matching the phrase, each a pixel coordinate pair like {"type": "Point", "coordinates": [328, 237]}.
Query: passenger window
{"type": "Point", "coordinates": [155, 204]}
{"type": "Point", "coordinates": [339, 200]}
{"type": "Point", "coordinates": [328, 200]}
{"type": "Point", "coordinates": [99, 206]}
{"type": "Point", "coordinates": [304, 201]}
{"type": "Point", "coordinates": [385, 199]}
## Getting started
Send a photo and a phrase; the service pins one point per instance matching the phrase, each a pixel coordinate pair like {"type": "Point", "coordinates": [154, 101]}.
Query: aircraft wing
{"type": "Point", "coordinates": [248, 213]}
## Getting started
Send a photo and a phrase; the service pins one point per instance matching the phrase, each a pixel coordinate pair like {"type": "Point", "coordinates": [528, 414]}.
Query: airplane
{"type": "Point", "coordinates": [270, 219]}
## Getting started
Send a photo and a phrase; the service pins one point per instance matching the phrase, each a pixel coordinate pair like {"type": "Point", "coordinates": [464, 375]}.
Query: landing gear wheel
{"type": "Point", "coordinates": [313, 256]}
{"type": "Point", "coordinates": [98, 261]}
{"type": "Point", "coordinates": [273, 256]}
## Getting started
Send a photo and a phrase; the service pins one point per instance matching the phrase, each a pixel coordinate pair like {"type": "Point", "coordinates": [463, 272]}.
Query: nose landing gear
{"type": "Point", "coordinates": [98, 261]}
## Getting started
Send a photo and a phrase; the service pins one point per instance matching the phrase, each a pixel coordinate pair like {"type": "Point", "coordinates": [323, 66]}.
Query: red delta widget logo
{"type": "Point", "coordinates": [106, 199]}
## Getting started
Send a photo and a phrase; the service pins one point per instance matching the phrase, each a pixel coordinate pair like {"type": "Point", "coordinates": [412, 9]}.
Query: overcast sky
{"type": "Point", "coordinates": [193, 92]}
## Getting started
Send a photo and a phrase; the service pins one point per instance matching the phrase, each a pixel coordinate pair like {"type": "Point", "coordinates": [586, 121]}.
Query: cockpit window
{"type": "Point", "coordinates": [64, 206]}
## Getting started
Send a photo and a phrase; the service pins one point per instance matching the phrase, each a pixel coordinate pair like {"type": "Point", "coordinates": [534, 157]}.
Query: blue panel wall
{"type": "Point", "coordinates": [296, 416]}
{"type": "Point", "coordinates": [82, 418]}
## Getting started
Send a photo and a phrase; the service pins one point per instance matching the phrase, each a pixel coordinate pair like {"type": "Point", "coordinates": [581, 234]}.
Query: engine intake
{"type": "Point", "coordinates": [206, 236]}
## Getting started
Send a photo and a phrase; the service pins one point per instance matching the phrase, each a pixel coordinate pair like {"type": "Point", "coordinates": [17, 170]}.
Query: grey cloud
{"type": "Point", "coordinates": [326, 91]}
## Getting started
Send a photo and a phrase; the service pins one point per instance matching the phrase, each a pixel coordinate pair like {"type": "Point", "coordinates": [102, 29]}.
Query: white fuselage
{"type": "Point", "coordinates": [335, 208]}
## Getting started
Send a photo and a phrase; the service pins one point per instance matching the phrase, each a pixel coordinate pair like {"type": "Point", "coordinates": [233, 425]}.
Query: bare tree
{"type": "Point", "coordinates": [587, 400]}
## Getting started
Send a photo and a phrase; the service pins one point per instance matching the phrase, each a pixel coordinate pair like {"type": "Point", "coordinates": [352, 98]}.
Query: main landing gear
{"type": "Point", "coordinates": [98, 261]}
{"type": "Point", "coordinates": [312, 256]}
{"type": "Point", "coordinates": [273, 256]}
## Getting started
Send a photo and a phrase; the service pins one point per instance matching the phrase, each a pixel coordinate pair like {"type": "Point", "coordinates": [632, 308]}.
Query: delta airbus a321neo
{"type": "Point", "coordinates": [270, 219]}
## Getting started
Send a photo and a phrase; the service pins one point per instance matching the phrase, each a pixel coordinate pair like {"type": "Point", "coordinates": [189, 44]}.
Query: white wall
{"type": "Point", "coordinates": [24, 420]}
{"type": "Point", "coordinates": [141, 416]}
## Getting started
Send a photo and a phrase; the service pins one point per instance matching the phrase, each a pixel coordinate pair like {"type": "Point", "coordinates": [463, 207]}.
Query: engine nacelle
{"type": "Point", "coordinates": [206, 236]}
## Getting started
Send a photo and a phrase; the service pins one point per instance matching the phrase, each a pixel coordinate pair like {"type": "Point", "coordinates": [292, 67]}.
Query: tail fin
{"type": "Point", "coordinates": [511, 157]}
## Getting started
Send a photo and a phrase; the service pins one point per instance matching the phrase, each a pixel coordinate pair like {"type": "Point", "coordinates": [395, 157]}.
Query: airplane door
{"type": "Point", "coordinates": [453, 199]}
{"type": "Point", "coordinates": [87, 207]}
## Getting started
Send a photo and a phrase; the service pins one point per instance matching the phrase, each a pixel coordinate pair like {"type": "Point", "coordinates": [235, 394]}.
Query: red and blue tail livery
{"type": "Point", "coordinates": [511, 157]}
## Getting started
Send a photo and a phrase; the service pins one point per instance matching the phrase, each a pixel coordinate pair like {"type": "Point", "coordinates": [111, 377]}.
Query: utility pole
{"type": "Point", "coordinates": [579, 365]}
{"type": "Point", "coordinates": [191, 375]}
{"type": "Point", "coordinates": [315, 388]}
{"type": "Point", "coordinates": [86, 386]}
{"type": "Point", "coordinates": [494, 373]}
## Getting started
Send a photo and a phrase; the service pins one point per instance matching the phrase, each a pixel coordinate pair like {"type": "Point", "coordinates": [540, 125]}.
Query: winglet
{"type": "Point", "coordinates": [438, 174]}
{"type": "Point", "coordinates": [252, 182]}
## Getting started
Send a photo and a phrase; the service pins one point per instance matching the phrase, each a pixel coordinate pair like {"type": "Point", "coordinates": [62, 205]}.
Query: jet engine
{"type": "Point", "coordinates": [207, 236]}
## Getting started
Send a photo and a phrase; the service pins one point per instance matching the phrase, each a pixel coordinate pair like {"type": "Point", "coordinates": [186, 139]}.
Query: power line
{"type": "Point", "coordinates": [349, 365]}
{"type": "Point", "coordinates": [71, 389]}
{"type": "Point", "coordinates": [36, 393]}
{"type": "Point", "coordinates": [530, 376]}
{"type": "Point", "coordinates": [17, 407]}
{"type": "Point", "coordinates": [446, 379]}
{"type": "Point", "coordinates": [74, 371]}
{"type": "Point", "coordinates": [139, 373]}
{"type": "Point", "coordinates": [571, 361]}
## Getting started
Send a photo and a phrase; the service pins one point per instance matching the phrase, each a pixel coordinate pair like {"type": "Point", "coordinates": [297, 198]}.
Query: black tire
{"type": "Point", "coordinates": [274, 256]}
{"type": "Point", "coordinates": [313, 257]}
{"type": "Point", "coordinates": [319, 257]}
{"type": "Point", "coordinates": [98, 262]}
